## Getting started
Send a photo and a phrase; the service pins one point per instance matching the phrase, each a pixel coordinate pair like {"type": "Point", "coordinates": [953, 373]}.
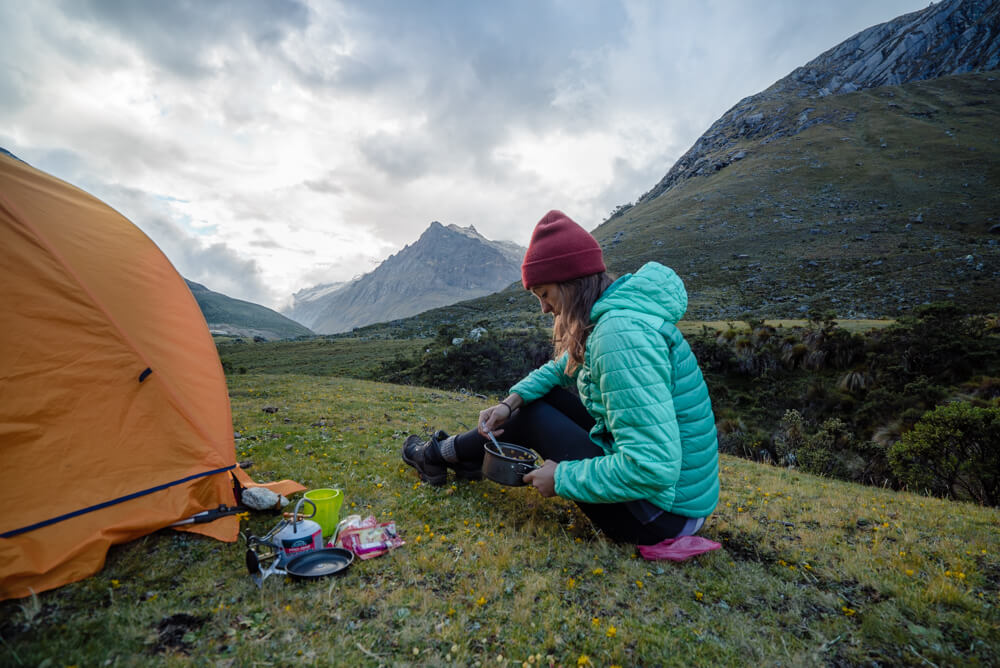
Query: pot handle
{"type": "Point", "coordinates": [297, 515]}
{"type": "Point", "coordinates": [524, 469]}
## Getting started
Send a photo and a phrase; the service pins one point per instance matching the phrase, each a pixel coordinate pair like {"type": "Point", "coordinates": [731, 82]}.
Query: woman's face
{"type": "Point", "coordinates": [550, 297]}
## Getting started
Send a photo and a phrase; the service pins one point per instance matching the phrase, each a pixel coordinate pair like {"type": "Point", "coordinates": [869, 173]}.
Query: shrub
{"type": "Point", "coordinates": [790, 437]}
{"type": "Point", "coordinates": [855, 382]}
{"type": "Point", "coordinates": [744, 443]}
{"type": "Point", "coordinates": [491, 364]}
{"type": "Point", "coordinates": [952, 451]}
{"type": "Point", "coordinates": [830, 451]}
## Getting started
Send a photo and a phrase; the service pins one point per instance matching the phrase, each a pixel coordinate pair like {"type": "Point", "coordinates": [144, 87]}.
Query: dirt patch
{"type": "Point", "coordinates": [172, 633]}
{"type": "Point", "coordinates": [744, 547]}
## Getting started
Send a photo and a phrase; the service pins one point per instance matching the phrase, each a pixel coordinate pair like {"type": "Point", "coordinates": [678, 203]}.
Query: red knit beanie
{"type": "Point", "coordinates": [560, 250]}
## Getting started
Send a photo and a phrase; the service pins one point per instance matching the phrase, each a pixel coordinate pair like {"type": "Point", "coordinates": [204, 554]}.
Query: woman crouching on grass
{"type": "Point", "coordinates": [637, 450]}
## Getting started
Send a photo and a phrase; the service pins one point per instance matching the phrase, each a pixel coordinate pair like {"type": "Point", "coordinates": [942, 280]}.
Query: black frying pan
{"type": "Point", "coordinates": [309, 565]}
{"type": "Point", "coordinates": [319, 563]}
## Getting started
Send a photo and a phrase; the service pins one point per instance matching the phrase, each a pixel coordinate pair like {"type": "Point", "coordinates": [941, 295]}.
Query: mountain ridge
{"type": "Point", "coordinates": [446, 264]}
{"type": "Point", "coordinates": [926, 44]}
{"type": "Point", "coordinates": [228, 316]}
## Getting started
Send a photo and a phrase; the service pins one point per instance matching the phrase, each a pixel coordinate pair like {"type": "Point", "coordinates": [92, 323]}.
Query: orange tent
{"type": "Point", "coordinates": [114, 410]}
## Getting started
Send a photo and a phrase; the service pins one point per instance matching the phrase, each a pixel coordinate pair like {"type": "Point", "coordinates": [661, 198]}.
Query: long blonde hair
{"type": "Point", "coordinates": [572, 325]}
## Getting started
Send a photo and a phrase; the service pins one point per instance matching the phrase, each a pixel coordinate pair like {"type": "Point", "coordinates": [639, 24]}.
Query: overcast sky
{"type": "Point", "coordinates": [267, 146]}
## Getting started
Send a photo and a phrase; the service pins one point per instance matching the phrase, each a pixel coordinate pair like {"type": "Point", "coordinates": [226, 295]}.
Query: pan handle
{"type": "Point", "coordinates": [524, 469]}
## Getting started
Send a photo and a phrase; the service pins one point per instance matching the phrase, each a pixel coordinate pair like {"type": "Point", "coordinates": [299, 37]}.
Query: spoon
{"type": "Point", "coordinates": [495, 443]}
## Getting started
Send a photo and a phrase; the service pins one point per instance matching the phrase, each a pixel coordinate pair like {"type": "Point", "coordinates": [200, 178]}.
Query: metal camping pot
{"type": "Point", "coordinates": [506, 463]}
{"type": "Point", "coordinates": [298, 535]}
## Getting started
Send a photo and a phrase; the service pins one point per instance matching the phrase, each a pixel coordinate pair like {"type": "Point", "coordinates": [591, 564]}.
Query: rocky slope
{"type": "Point", "coordinates": [950, 37]}
{"type": "Point", "coordinates": [307, 304]}
{"type": "Point", "coordinates": [445, 265]}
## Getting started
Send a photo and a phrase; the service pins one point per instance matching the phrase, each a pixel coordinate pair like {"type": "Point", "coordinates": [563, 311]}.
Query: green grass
{"type": "Point", "coordinates": [316, 356]}
{"type": "Point", "coordinates": [812, 571]}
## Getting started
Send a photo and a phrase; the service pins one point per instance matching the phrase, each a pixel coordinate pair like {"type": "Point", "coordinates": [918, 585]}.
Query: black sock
{"type": "Point", "coordinates": [469, 446]}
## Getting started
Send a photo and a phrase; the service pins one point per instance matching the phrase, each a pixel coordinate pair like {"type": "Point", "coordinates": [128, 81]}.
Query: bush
{"type": "Point", "coordinates": [491, 364]}
{"type": "Point", "coordinates": [952, 451]}
{"type": "Point", "coordinates": [790, 437]}
{"type": "Point", "coordinates": [830, 451]}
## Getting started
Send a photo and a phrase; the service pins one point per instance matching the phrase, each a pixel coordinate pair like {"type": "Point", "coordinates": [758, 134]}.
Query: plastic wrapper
{"type": "Point", "coordinates": [367, 538]}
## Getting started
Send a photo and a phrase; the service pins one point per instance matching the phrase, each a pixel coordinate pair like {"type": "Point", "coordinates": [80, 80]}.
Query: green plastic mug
{"type": "Point", "coordinates": [328, 503]}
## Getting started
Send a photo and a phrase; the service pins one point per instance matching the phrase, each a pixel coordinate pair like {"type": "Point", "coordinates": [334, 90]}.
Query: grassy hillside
{"type": "Point", "coordinates": [886, 199]}
{"type": "Point", "coordinates": [812, 571]}
{"type": "Point", "coordinates": [511, 308]}
{"type": "Point", "coordinates": [319, 356]}
{"type": "Point", "coordinates": [242, 318]}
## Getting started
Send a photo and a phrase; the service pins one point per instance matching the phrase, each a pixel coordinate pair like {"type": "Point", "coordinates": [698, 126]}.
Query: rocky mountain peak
{"type": "Point", "coordinates": [949, 37]}
{"type": "Point", "coordinates": [446, 264]}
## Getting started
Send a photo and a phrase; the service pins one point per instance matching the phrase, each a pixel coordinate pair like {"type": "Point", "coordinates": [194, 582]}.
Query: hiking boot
{"type": "Point", "coordinates": [415, 454]}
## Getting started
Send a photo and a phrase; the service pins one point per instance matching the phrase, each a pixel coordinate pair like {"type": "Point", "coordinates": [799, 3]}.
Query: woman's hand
{"type": "Point", "coordinates": [543, 478]}
{"type": "Point", "coordinates": [494, 416]}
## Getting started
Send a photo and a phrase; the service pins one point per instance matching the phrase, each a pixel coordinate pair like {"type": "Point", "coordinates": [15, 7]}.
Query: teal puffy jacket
{"type": "Point", "coordinates": [641, 383]}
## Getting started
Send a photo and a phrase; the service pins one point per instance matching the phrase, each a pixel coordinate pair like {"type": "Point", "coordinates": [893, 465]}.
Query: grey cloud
{"type": "Point", "coordinates": [474, 70]}
{"type": "Point", "coordinates": [272, 244]}
{"type": "Point", "coordinates": [216, 266]}
{"type": "Point", "coordinates": [621, 190]}
{"type": "Point", "coordinates": [402, 157]}
{"type": "Point", "coordinates": [219, 268]}
{"type": "Point", "coordinates": [14, 87]}
{"type": "Point", "coordinates": [325, 185]}
{"type": "Point", "coordinates": [178, 34]}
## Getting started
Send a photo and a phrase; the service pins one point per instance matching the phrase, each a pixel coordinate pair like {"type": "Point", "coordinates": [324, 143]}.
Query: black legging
{"type": "Point", "coordinates": [557, 427]}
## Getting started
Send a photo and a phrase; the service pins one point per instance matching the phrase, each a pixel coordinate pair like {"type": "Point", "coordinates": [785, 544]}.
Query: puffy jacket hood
{"type": "Point", "coordinates": [654, 289]}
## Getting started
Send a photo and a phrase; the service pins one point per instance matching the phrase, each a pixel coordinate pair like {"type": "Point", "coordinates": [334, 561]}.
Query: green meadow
{"type": "Point", "coordinates": [812, 571]}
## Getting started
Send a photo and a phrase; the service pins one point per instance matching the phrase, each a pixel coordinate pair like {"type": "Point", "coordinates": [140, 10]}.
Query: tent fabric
{"type": "Point", "coordinates": [114, 411]}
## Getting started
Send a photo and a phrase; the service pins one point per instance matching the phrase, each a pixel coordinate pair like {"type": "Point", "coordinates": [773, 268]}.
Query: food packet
{"type": "Point", "coordinates": [367, 538]}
